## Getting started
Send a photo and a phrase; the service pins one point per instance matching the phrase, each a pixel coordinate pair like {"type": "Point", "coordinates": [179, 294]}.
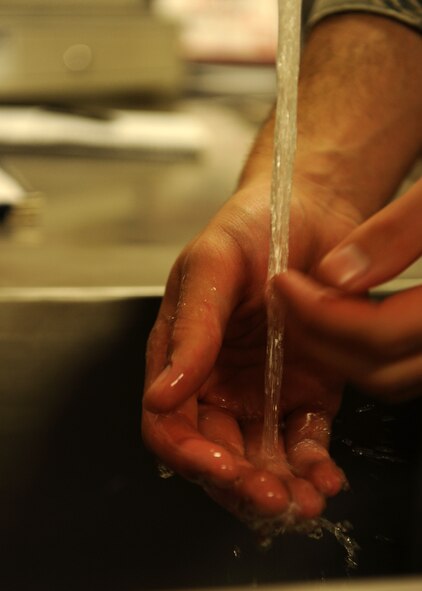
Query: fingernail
{"type": "Point", "coordinates": [151, 396]}
{"type": "Point", "coordinates": [344, 265]}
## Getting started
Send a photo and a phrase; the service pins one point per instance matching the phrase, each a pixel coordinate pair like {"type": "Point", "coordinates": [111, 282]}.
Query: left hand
{"type": "Point", "coordinates": [203, 403]}
{"type": "Point", "coordinates": [377, 345]}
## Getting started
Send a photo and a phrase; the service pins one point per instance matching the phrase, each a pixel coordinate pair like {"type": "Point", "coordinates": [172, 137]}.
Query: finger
{"type": "Point", "coordinates": [198, 304]}
{"type": "Point", "coordinates": [228, 477]}
{"type": "Point", "coordinates": [177, 442]}
{"type": "Point", "coordinates": [305, 501]}
{"type": "Point", "coordinates": [159, 337]}
{"type": "Point", "coordinates": [393, 381]}
{"type": "Point", "coordinates": [380, 248]}
{"type": "Point", "coordinates": [332, 355]}
{"type": "Point", "coordinates": [397, 381]}
{"type": "Point", "coordinates": [255, 495]}
{"type": "Point", "coordinates": [378, 346]}
{"type": "Point", "coordinates": [220, 426]}
{"type": "Point", "coordinates": [307, 436]}
{"type": "Point", "coordinates": [370, 331]}
{"type": "Point", "coordinates": [260, 489]}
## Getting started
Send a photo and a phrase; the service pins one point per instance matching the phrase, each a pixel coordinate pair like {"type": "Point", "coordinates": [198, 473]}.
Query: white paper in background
{"type": "Point", "coordinates": [226, 30]}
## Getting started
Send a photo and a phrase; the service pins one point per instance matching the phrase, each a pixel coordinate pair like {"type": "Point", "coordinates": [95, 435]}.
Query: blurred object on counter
{"type": "Point", "coordinates": [53, 51]}
{"type": "Point", "coordinates": [243, 82]}
{"type": "Point", "coordinates": [11, 190]}
{"type": "Point", "coordinates": [242, 31]}
{"type": "Point", "coordinates": [20, 208]}
{"type": "Point", "coordinates": [66, 5]}
{"type": "Point", "coordinates": [110, 220]}
{"type": "Point", "coordinates": [24, 221]}
{"type": "Point", "coordinates": [122, 134]}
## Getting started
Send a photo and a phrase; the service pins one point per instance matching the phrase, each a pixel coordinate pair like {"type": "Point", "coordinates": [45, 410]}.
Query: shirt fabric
{"type": "Point", "coordinates": [408, 12]}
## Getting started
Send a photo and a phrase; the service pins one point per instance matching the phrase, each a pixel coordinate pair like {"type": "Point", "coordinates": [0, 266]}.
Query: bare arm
{"type": "Point", "coordinates": [360, 110]}
{"type": "Point", "coordinates": [359, 131]}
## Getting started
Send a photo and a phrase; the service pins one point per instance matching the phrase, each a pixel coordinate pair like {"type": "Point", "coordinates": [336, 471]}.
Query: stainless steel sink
{"type": "Point", "coordinates": [82, 505]}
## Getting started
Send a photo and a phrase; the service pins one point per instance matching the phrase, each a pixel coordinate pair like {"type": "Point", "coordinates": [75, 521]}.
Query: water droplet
{"type": "Point", "coordinates": [164, 472]}
{"type": "Point", "coordinates": [316, 534]}
{"type": "Point", "coordinates": [365, 408]}
{"type": "Point", "coordinates": [237, 552]}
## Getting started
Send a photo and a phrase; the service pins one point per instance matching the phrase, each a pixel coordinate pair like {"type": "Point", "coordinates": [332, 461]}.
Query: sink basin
{"type": "Point", "coordinates": [82, 504]}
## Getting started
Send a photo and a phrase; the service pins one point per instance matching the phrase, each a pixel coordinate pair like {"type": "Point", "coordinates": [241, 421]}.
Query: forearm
{"type": "Point", "coordinates": [360, 107]}
{"type": "Point", "coordinates": [359, 112]}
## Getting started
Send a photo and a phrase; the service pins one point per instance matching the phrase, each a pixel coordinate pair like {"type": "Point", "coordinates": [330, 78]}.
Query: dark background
{"type": "Point", "coordinates": [82, 505]}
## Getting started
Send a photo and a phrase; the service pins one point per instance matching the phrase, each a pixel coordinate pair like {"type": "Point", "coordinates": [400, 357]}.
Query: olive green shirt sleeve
{"type": "Point", "coordinates": [408, 12]}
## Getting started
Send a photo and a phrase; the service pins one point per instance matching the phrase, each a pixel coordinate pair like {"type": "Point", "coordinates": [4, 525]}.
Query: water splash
{"type": "Point", "coordinates": [237, 552]}
{"type": "Point", "coordinates": [164, 472]}
{"type": "Point", "coordinates": [340, 531]}
{"type": "Point", "coordinates": [379, 453]}
{"type": "Point", "coordinates": [268, 530]}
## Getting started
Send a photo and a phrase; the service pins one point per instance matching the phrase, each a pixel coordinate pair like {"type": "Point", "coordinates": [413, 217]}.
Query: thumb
{"type": "Point", "coordinates": [379, 249]}
{"type": "Point", "coordinates": [182, 352]}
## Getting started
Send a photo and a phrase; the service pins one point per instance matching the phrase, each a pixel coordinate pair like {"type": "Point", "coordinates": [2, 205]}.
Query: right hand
{"type": "Point", "coordinates": [203, 403]}
{"type": "Point", "coordinates": [375, 344]}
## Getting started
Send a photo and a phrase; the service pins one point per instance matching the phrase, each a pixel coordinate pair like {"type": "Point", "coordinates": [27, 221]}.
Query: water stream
{"type": "Point", "coordinates": [288, 58]}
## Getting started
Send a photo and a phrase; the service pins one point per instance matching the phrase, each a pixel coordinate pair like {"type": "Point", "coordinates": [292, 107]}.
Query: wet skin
{"type": "Point", "coordinates": [203, 403]}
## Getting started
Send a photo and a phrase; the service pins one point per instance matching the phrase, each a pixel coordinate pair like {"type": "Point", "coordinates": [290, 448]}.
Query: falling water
{"type": "Point", "coordinates": [288, 59]}
{"type": "Point", "coordinates": [284, 152]}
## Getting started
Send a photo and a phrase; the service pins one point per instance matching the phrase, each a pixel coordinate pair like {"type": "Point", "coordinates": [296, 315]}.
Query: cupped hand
{"type": "Point", "coordinates": [376, 344]}
{"type": "Point", "coordinates": [204, 391]}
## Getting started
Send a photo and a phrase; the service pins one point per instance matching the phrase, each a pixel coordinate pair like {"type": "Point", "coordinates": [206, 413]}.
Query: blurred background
{"type": "Point", "coordinates": [123, 127]}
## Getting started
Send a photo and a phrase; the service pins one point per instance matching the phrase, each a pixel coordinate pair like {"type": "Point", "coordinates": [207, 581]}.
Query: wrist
{"type": "Point", "coordinates": [360, 107]}
{"type": "Point", "coordinates": [341, 178]}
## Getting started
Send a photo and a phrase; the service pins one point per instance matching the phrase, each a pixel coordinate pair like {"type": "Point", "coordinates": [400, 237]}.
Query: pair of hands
{"type": "Point", "coordinates": [204, 390]}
